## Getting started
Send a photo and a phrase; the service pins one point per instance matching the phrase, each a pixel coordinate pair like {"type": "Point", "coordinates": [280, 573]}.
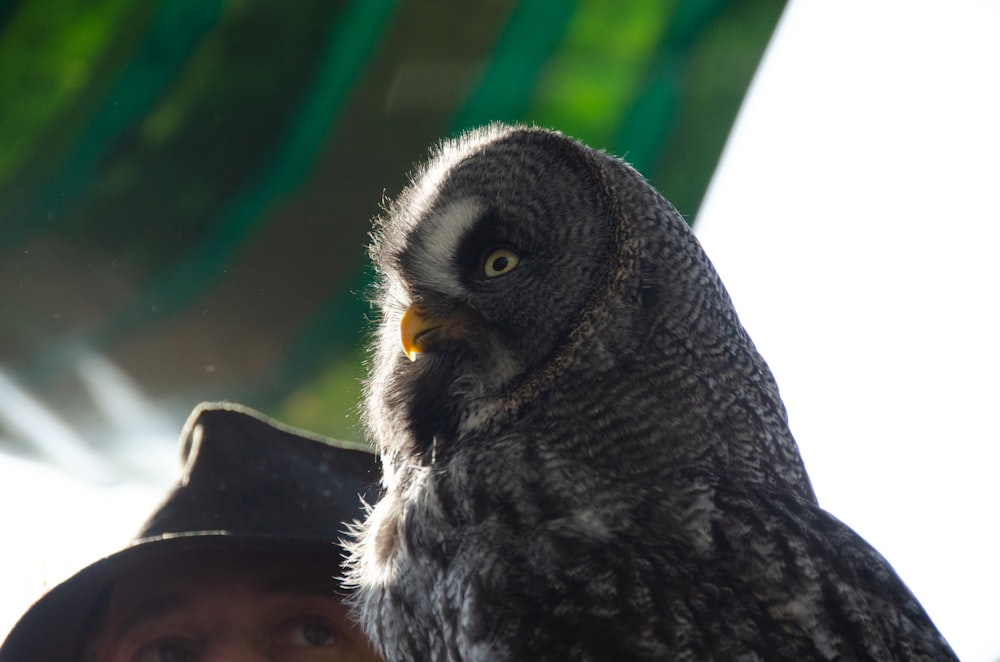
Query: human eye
{"type": "Point", "coordinates": [309, 631]}
{"type": "Point", "coordinates": [167, 651]}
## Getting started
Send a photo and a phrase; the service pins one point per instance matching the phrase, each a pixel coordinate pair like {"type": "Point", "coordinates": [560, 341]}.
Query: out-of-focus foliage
{"type": "Point", "coordinates": [186, 186]}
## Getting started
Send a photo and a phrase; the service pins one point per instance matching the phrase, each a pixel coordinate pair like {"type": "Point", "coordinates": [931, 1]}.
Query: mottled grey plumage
{"type": "Point", "coordinates": [588, 459]}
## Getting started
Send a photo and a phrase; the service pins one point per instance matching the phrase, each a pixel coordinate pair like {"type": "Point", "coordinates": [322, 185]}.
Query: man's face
{"type": "Point", "coordinates": [230, 606]}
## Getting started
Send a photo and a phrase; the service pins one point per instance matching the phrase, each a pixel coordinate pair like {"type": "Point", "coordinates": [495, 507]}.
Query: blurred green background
{"type": "Point", "coordinates": [186, 186]}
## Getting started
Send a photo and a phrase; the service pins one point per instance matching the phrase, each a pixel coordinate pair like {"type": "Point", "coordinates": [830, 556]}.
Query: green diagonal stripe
{"type": "Point", "coordinates": [586, 86]}
{"type": "Point", "coordinates": [37, 40]}
{"type": "Point", "coordinates": [351, 41]}
{"type": "Point", "coordinates": [176, 29]}
{"type": "Point", "coordinates": [507, 85]}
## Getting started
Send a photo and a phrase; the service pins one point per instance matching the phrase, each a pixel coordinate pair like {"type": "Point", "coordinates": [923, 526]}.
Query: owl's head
{"type": "Point", "coordinates": [486, 262]}
{"type": "Point", "coordinates": [517, 254]}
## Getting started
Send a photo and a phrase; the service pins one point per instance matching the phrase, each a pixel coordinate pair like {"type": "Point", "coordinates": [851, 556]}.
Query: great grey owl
{"type": "Point", "coordinates": [584, 456]}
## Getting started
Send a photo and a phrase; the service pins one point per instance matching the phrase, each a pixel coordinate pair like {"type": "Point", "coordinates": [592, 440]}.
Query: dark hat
{"type": "Point", "coordinates": [247, 483]}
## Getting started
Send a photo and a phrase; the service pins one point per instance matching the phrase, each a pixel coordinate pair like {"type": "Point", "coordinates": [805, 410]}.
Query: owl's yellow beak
{"type": "Point", "coordinates": [416, 327]}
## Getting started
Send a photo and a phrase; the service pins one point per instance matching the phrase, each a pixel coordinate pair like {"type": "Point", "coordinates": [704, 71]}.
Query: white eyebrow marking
{"type": "Point", "coordinates": [441, 234]}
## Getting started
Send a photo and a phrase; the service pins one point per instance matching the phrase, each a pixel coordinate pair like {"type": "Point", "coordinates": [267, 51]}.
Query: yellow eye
{"type": "Point", "coordinates": [499, 262]}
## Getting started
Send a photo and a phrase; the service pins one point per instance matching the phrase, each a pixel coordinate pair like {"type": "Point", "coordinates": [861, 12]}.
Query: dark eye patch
{"type": "Point", "coordinates": [489, 232]}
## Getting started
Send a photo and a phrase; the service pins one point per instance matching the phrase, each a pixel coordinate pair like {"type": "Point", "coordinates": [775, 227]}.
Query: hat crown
{"type": "Point", "coordinates": [243, 474]}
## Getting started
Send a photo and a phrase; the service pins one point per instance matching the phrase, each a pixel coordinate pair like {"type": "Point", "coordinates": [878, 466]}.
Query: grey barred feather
{"type": "Point", "coordinates": [588, 459]}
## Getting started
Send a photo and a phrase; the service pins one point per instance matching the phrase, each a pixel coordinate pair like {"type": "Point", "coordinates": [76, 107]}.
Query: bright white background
{"type": "Point", "coordinates": [854, 221]}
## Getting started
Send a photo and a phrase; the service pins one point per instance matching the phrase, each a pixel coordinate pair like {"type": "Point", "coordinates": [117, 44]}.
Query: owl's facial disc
{"type": "Point", "coordinates": [418, 330]}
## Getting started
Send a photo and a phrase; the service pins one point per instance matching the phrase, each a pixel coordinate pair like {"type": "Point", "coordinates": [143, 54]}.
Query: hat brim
{"type": "Point", "coordinates": [56, 627]}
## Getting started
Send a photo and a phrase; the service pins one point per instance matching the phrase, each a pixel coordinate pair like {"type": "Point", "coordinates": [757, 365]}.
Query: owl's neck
{"type": "Point", "coordinates": [675, 406]}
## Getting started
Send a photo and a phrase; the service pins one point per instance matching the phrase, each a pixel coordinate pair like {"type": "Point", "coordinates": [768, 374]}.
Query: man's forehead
{"type": "Point", "coordinates": [179, 582]}
{"type": "Point", "coordinates": [171, 578]}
